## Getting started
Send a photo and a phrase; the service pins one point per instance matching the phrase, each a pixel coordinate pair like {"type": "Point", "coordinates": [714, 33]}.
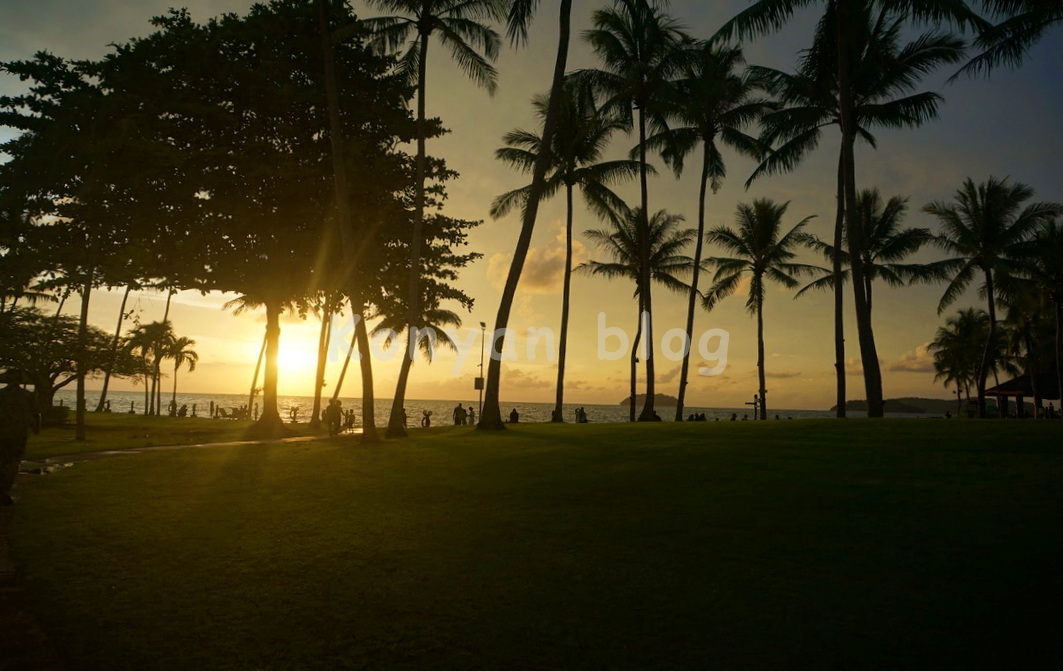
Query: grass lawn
{"type": "Point", "coordinates": [114, 431]}
{"type": "Point", "coordinates": [807, 544]}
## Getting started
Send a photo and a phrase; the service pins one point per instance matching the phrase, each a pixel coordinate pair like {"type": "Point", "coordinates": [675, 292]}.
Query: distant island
{"type": "Point", "coordinates": [659, 400]}
{"type": "Point", "coordinates": [907, 404]}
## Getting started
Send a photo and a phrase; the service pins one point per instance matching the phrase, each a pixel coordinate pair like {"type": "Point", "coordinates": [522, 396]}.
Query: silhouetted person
{"type": "Point", "coordinates": [426, 418]}
{"type": "Point", "coordinates": [514, 416]}
{"type": "Point", "coordinates": [405, 418]}
{"type": "Point", "coordinates": [472, 416]}
{"type": "Point", "coordinates": [18, 415]}
{"type": "Point", "coordinates": [734, 416]}
{"type": "Point", "coordinates": [183, 412]}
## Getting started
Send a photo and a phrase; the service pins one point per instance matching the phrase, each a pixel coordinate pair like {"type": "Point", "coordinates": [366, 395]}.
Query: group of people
{"type": "Point", "coordinates": [581, 415]}
{"type": "Point", "coordinates": [697, 417]}
{"type": "Point", "coordinates": [464, 417]}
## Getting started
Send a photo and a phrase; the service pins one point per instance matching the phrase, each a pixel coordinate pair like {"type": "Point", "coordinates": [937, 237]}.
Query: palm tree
{"type": "Point", "coordinates": [1043, 263]}
{"type": "Point", "coordinates": [712, 102]}
{"type": "Point", "coordinates": [665, 257]}
{"type": "Point", "coordinates": [269, 422]}
{"type": "Point", "coordinates": [153, 341]}
{"type": "Point", "coordinates": [984, 229]}
{"type": "Point", "coordinates": [886, 244]}
{"type": "Point", "coordinates": [883, 74]}
{"type": "Point", "coordinates": [957, 349]}
{"type": "Point", "coordinates": [183, 355]}
{"type": "Point", "coordinates": [1023, 23]}
{"type": "Point", "coordinates": [520, 15]}
{"type": "Point", "coordinates": [763, 253]}
{"type": "Point", "coordinates": [1025, 330]}
{"type": "Point", "coordinates": [581, 137]}
{"type": "Point", "coordinates": [430, 336]}
{"type": "Point", "coordinates": [473, 46]}
{"type": "Point", "coordinates": [642, 50]}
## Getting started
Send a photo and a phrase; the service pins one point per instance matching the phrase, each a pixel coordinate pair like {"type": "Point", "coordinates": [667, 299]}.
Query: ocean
{"type": "Point", "coordinates": [441, 410]}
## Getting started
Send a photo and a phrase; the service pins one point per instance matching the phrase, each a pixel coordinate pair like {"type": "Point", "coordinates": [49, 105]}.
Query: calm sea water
{"type": "Point", "coordinates": [442, 410]}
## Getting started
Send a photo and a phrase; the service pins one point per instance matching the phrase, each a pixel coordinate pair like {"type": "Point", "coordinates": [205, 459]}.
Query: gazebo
{"type": "Point", "coordinates": [1044, 383]}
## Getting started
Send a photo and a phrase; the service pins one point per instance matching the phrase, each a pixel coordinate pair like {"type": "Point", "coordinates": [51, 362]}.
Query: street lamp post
{"type": "Point", "coordinates": [480, 380]}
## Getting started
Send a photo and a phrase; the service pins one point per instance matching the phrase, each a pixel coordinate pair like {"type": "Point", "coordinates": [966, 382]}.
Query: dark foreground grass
{"type": "Point", "coordinates": [115, 431]}
{"type": "Point", "coordinates": [811, 544]}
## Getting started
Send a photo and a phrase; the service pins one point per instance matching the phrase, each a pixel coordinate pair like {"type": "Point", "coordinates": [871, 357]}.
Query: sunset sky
{"type": "Point", "coordinates": [1004, 126]}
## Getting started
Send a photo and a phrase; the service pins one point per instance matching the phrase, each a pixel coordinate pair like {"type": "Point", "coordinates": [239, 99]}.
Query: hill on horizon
{"type": "Point", "coordinates": [662, 400]}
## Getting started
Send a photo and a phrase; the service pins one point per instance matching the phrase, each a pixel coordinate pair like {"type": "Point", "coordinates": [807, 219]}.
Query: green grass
{"type": "Point", "coordinates": [113, 431]}
{"type": "Point", "coordinates": [810, 544]}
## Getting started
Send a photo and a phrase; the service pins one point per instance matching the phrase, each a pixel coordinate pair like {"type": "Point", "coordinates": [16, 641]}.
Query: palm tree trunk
{"type": "Point", "coordinates": [114, 350]}
{"type": "Point", "coordinates": [491, 417]}
{"type": "Point", "coordinates": [865, 333]}
{"type": "Point", "coordinates": [1059, 346]}
{"type": "Point", "coordinates": [369, 432]}
{"type": "Point", "coordinates": [343, 218]}
{"type": "Point", "coordinates": [839, 294]}
{"type": "Point", "coordinates": [83, 341]}
{"type": "Point", "coordinates": [258, 367]}
{"type": "Point", "coordinates": [959, 400]}
{"type": "Point", "coordinates": [558, 414]}
{"type": "Point", "coordinates": [322, 352]}
{"type": "Point", "coordinates": [270, 417]}
{"type": "Point", "coordinates": [983, 366]}
{"type": "Point", "coordinates": [645, 276]}
{"type": "Point", "coordinates": [635, 360]}
{"type": "Point", "coordinates": [343, 370]}
{"type": "Point", "coordinates": [692, 299]}
{"type": "Point", "coordinates": [173, 399]}
{"type": "Point", "coordinates": [396, 421]}
{"type": "Point", "coordinates": [760, 360]}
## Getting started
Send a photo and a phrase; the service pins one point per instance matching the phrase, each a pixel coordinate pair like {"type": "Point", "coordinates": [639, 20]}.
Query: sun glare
{"type": "Point", "coordinates": [295, 360]}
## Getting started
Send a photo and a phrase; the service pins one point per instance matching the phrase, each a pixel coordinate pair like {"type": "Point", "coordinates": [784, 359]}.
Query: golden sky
{"type": "Point", "coordinates": [1006, 126]}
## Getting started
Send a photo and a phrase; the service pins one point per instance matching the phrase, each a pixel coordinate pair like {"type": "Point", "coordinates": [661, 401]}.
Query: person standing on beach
{"type": "Point", "coordinates": [18, 414]}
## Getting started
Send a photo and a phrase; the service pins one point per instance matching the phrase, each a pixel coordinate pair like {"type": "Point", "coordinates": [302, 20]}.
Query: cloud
{"type": "Point", "coordinates": [919, 360]}
{"type": "Point", "coordinates": [517, 378]}
{"type": "Point", "coordinates": [782, 375]}
{"type": "Point", "coordinates": [544, 267]}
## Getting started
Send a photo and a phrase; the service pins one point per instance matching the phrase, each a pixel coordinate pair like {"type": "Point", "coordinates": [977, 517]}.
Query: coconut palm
{"type": "Point", "coordinates": [581, 138]}
{"type": "Point", "coordinates": [666, 259]}
{"type": "Point", "coordinates": [519, 18]}
{"type": "Point", "coordinates": [153, 341]}
{"type": "Point", "coordinates": [711, 105]}
{"type": "Point", "coordinates": [473, 45]}
{"type": "Point", "coordinates": [642, 50]}
{"type": "Point", "coordinates": [1042, 261]}
{"type": "Point", "coordinates": [984, 230]}
{"type": "Point", "coordinates": [763, 253]}
{"type": "Point", "coordinates": [883, 75]}
{"type": "Point", "coordinates": [1022, 24]}
{"type": "Point", "coordinates": [957, 350]}
{"type": "Point", "coordinates": [183, 355]}
{"type": "Point", "coordinates": [1026, 331]}
{"type": "Point", "coordinates": [886, 244]}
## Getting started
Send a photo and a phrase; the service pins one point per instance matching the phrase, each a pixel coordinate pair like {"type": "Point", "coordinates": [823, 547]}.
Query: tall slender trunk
{"type": "Point", "coordinates": [322, 353]}
{"type": "Point", "coordinates": [396, 420]}
{"type": "Point", "coordinates": [865, 333]}
{"type": "Point", "coordinates": [270, 417]}
{"type": "Point", "coordinates": [692, 299]}
{"type": "Point", "coordinates": [173, 400]}
{"type": "Point", "coordinates": [983, 365]}
{"type": "Point", "coordinates": [839, 294]}
{"type": "Point", "coordinates": [369, 432]}
{"type": "Point", "coordinates": [343, 218]}
{"type": "Point", "coordinates": [114, 350]}
{"type": "Point", "coordinates": [83, 341]}
{"type": "Point", "coordinates": [760, 360]}
{"type": "Point", "coordinates": [491, 416]}
{"type": "Point", "coordinates": [258, 367]}
{"type": "Point", "coordinates": [343, 370]}
{"type": "Point", "coordinates": [158, 365]}
{"type": "Point", "coordinates": [959, 401]}
{"type": "Point", "coordinates": [645, 274]}
{"type": "Point", "coordinates": [62, 302]}
{"type": "Point", "coordinates": [635, 361]}
{"type": "Point", "coordinates": [559, 413]}
{"type": "Point", "coordinates": [1059, 346]}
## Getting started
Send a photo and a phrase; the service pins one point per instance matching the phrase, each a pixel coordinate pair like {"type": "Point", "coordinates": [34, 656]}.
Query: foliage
{"type": "Point", "coordinates": [46, 348]}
